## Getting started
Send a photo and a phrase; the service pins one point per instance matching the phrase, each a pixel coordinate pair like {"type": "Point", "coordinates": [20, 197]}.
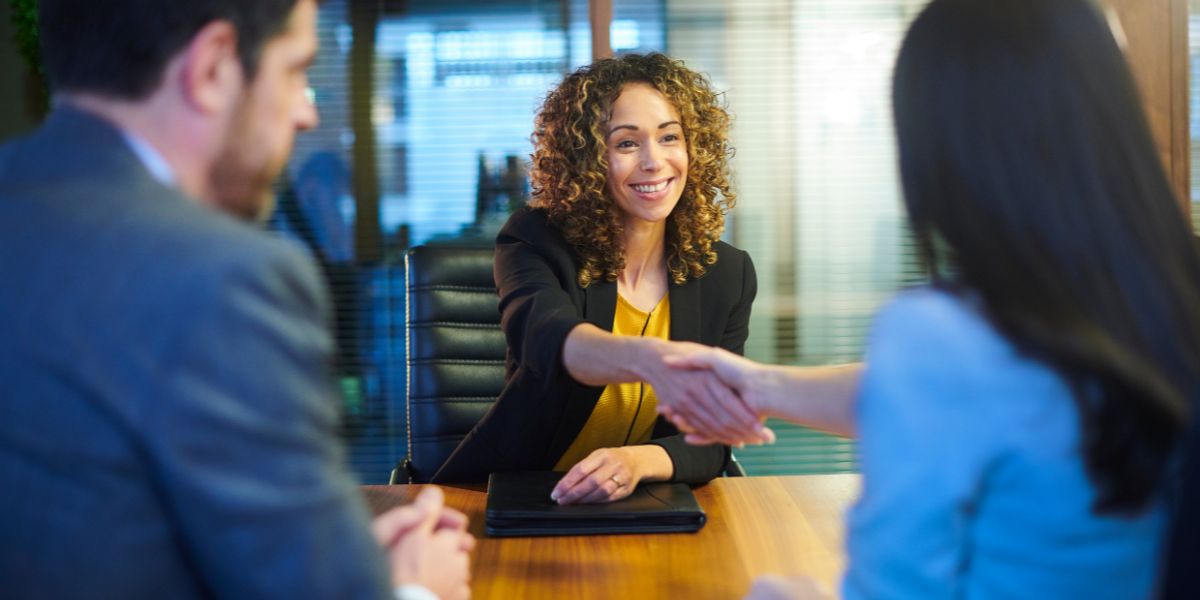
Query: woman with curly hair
{"type": "Point", "coordinates": [617, 253]}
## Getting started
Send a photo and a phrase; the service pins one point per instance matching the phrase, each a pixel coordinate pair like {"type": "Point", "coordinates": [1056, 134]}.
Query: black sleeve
{"type": "Point", "coordinates": [693, 464]}
{"type": "Point", "coordinates": [536, 312]}
{"type": "Point", "coordinates": [738, 327]}
{"type": "Point", "coordinates": [700, 464]}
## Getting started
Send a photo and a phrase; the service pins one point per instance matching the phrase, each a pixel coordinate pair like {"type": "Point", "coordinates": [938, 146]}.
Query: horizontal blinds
{"type": "Point", "coordinates": [819, 206]}
{"type": "Point", "coordinates": [316, 209]}
{"type": "Point", "coordinates": [454, 88]}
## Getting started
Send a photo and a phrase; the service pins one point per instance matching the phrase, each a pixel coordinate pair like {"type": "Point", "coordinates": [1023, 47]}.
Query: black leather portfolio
{"type": "Point", "coordinates": [519, 504]}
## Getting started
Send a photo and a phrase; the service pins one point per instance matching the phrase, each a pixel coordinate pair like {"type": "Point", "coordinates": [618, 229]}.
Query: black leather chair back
{"type": "Point", "coordinates": [455, 348]}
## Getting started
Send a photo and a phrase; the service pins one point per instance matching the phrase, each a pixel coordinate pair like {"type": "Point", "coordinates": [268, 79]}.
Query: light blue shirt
{"type": "Point", "coordinates": [973, 479]}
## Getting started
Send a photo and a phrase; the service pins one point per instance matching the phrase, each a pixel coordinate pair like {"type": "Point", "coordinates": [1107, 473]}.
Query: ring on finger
{"type": "Point", "coordinates": [616, 480]}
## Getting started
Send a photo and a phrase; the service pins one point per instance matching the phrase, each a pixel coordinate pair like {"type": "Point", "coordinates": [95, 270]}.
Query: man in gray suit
{"type": "Point", "coordinates": [167, 424]}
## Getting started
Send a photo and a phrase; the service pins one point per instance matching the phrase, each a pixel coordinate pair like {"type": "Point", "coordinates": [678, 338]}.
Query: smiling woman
{"type": "Point", "coordinates": [647, 158]}
{"type": "Point", "coordinates": [607, 265]}
{"type": "Point", "coordinates": [575, 159]}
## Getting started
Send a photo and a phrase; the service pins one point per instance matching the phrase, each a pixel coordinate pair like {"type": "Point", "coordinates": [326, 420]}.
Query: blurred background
{"type": "Point", "coordinates": [426, 114]}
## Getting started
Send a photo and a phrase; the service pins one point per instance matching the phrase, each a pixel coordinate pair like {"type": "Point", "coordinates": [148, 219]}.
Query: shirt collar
{"type": "Point", "coordinates": [151, 159]}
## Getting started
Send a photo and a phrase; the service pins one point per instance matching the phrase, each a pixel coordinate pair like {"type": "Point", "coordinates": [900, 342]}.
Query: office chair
{"type": "Point", "coordinates": [454, 352]}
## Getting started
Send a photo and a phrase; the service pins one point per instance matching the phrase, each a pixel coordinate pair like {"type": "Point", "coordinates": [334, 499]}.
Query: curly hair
{"type": "Point", "coordinates": [569, 169]}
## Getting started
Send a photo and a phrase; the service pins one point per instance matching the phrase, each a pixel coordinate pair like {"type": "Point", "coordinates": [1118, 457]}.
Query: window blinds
{"type": "Point", "coordinates": [453, 87]}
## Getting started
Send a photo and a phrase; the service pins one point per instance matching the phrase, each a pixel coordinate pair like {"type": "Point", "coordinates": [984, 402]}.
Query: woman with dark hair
{"type": "Point", "coordinates": [617, 253]}
{"type": "Point", "coordinates": [1019, 419]}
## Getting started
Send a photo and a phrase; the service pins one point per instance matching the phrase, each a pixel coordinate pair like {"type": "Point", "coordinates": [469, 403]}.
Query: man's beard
{"type": "Point", "coordinates": [242, 174]}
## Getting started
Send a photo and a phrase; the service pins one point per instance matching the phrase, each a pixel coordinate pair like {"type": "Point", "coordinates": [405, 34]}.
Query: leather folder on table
{"type": "Point", "coordinates": [519, 504]}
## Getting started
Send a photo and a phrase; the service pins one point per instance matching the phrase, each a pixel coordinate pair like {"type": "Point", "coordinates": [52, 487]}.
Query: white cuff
{"type": "Point", "coordinates": [411, 591]}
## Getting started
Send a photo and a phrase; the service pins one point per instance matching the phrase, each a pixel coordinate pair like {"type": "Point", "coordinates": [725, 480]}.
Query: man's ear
{"type": "Point", "coordinates": [211, 73]}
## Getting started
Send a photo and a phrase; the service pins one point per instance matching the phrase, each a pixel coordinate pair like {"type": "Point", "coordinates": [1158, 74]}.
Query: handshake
{"type": "Point", "coordinates": [715, 396]}
{"type": "Point", "coordinates": [712, 395]}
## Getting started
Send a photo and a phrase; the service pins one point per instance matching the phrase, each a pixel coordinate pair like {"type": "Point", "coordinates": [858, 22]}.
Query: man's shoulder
{"type": "Point", "coordinates": [213, 245]}
{"type": "Point", "coordinates": [187, 253]}
{"type": "Point", "coordinates": [114, 219]}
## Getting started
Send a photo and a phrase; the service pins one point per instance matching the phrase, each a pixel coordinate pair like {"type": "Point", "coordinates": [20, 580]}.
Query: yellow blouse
{"type": "Point", "coordinates": [625, 414]}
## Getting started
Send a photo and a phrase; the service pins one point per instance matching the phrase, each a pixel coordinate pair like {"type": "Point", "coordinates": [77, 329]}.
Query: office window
{"type": "Point", "coordinates": [819, 206]}
{"type": "Point", "coordinates": [434, 148]}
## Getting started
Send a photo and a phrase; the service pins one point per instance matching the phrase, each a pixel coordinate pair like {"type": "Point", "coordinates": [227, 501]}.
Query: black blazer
{"type": "Point", "coordinates": [542, 408]}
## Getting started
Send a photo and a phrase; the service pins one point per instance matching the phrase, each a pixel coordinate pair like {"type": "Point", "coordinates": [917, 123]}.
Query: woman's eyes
{"type": "Point", "coordinates": [666, 139]}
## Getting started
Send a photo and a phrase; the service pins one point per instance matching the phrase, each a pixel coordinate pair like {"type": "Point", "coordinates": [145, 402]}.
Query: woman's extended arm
{"type": "Point", "coordinates": [596, 357]}
{"type": "Point", "coordinates": [818, 397]}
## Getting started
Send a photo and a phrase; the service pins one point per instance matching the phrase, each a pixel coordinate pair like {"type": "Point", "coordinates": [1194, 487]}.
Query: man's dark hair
{"type": "Point", "coordinates": [119, 48]}
{"type": "Point", "coordinates": [1027, 163]}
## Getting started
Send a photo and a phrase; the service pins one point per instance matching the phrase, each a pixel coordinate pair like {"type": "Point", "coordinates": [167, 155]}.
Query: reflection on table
{"type": "Point", "coordinates": [756, 525]}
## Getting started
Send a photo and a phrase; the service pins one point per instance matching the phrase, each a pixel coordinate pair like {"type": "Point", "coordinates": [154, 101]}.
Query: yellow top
{"type": "Point", "coordinates": [625, 414]}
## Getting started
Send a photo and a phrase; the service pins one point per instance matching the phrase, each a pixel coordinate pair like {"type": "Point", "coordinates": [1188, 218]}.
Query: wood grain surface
{"type": "Point", "coordinates": [756, 525]}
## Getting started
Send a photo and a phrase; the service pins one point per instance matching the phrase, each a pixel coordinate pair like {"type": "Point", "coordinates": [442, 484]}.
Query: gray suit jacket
{"type": "Point", "coordinates": [167, 425]}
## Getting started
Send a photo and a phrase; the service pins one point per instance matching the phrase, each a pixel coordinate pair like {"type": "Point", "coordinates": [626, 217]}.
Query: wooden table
{"type": "Point", "coordinates": [756, 525]}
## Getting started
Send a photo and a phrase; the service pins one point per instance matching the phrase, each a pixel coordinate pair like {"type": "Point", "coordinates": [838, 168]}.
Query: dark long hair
{"type": "Point", "coordinates": [1028, 165]}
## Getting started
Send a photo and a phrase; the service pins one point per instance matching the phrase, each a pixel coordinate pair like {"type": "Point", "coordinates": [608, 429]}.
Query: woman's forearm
{"type": "Point", "coordinates": [817, 397]}
{"type": "Point", "coordinates": [593, 356]}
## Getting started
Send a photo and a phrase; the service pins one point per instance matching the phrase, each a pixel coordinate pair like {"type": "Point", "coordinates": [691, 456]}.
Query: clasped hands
{"type": "Point", "coordinates": [713, 395]}
{"type": "Point", "coordinates": [427, 544]}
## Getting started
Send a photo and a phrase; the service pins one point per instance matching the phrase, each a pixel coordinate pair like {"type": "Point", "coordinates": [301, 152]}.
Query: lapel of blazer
{"type": "Point", "coordinates": [686, 311]}
{"type": "Point", "coordinates": [600, 304]}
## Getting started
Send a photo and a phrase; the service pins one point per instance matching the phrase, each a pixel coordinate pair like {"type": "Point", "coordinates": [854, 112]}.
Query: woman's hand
{"type": "Point", "coordinates": [693, 395]}
{"type": "Point", "coordinates": [703, 390]}
{"type": "Point", "coordinates": [821, 397]}
{"type": "Point", "coordinates": [609, 474]}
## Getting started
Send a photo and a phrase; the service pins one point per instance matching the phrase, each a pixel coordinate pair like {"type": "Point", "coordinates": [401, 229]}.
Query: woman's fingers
{"type": "Point", "coordinates": [704, 395]}
{"type": "Point", "coordinates": [569, 485]}
{"type": "Point", "coordinates": [704, 410]}
{"type": "Point", "coordinates": [738, 423]}
{"type": "Point", "coordinates": [603, 476]}
{"type": "Point", "coordinates": [605, 491]}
